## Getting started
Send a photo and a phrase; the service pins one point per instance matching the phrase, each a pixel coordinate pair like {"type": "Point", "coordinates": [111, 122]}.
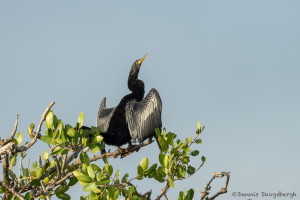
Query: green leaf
{"type": "Point", "coordinates": [45, 155]}
{"type": "Point", "coordinates": [85, 179]}
{"type": "Point", "coordinates": [140, 172]}
{"type": "Point", "coordinates": [117, 174]}
{"type": "Point", "coordinates": [185, 160]}
{"type": "Point", "coordinates": [94, 148]}
{"type": "Point", "coordinates": [63, 136]}
{"type": "Point", "coordinates": [104, 182]}
{"type": "Point", "coordinates": [28, 196]}
{"type": "Point", "coordinates": [89, 187]}
{"type": "Point", "coordinates": [49, 119]}
{"type": "Point", "coordinates": [34, 167]}
{"type": "Point", "coordinates": [171, 182]}
{"type": "Point", "coordinates": [163, 144]}
{"type": "Point", "coordinates": [98, 138]}
{"type": "Point", "coordinates": [19, 138]}
{"type": "Point", "coordinates": [13, 160]}
{"type": "Point", "coordinates": [180, 171]}
{"type": "Point", "coordinates": [203, 159]}
{"type": "Point", "coordinates": [198, 141]}
{"type": "Point", "coordinates": [56, 150]}
{"type": "Point", "coordinates": [181, 196]}
{"type": "Point", "coordinates": [46, 180]}
{"type": "Point", "coordinates": [63, 196]}
{"type": "Point", "coordinates": [194, 153]}
{"type": "Point", "coordinates": [35, 182]}
{"type": "Point", "coordinates": [84, 158]}
{"type": "Point", "coordinates": [73, 181]}
{"type": "Point", "coordinates": [61, 189]}
{"type": "Point", "coordinates": [77, 173]}
{"type": "Point", "coordinates": [190, 194]}
{"type": "Point", "coordinates": [80, 119]}
{"type": "Point", "coordinates": [151, 169]}
{"type": "Point", "coordinates": [96, 167]}
{"type": "Point", "coordinates": [53, 175]}
{"type": "Point", "coordinates": [2, 189]}
{"type": "Point", "coordinates": [30, 130]}
{"type": "Point", "coordinates": [71, 132]}
{"type": "Point", "coordinates": [11, 174]}
{"type": "Point", "coordinates": [124, 179]}
{"type": "Point", "coordinates": [166, 161]}
{"type": "Point", "coordinates": [191, 170]}
{"type": "Point", "coordinates": [39, 173]}
{"type": "Point", "coordinates": [161, 159]}
{"type": "Point", "coordinates": [47, 139]}
{"type": "Point", "coordinates": [91, 172]}
{"type": "Point", "coordinates": [144, 163]}
{"type": "Point", "coordinates": [189, 139]}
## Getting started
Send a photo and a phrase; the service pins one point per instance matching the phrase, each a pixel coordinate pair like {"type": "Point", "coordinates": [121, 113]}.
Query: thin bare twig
{"type": "Point", "coordinates": [28, 145]}
{"type": "Point", "coordinates": [12, 190]}
{"type": "Point", "coordinates": [12, 135]}
{"type": "Point", "coordinates": [223, 190]}
{"type": "Point", "coordinates": [164, 190]}
{"type": "Point", "coordinates": [45, 191]}
{"type": "Point", "coordinates": [64, 163]}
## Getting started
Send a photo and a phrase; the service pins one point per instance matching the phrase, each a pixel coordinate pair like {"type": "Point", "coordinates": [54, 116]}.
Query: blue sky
{"type": "Point", "coordinates": [232, 65]}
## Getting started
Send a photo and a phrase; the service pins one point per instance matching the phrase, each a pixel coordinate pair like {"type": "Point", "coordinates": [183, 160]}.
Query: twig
{"type": "Point", "coordinates": [45, 192]}
{"type": "Point", "coordinates": [208, 187]}
{"type": "Point", "coordinates": [64, 163]}
{"type": "Point", "coordinates": [12, 135]}
{"type": "Point", "coordinates": [222, 190]}
{"type": "Point", "coordinates": [40, 161]}
{"type": "Point", "coordinates": [28, 145]}
{"type": "Point", "coordinates": [5, 172]}
{"type": "Point", "coordinates": [115, 153]}
{"type": "Point", "coordinates": [164, 190]}
{"type": "Point", "coordinates": [12, 190]}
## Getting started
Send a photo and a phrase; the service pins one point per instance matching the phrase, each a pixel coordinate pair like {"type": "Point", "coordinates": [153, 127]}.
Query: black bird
{"type": "Point", "coordinates": [134, 118]}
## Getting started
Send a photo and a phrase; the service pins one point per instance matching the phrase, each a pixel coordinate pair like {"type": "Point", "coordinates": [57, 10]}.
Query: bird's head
{"type": "Point", "coordinates": [137, 64]}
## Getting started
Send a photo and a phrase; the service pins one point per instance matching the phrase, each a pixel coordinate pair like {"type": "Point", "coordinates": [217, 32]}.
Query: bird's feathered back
{"type": "Point", "coordinates": [144, 117]}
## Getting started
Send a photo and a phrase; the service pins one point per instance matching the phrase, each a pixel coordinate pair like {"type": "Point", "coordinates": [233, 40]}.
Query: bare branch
{"type": "Point", "coordinates": [12, 190]}
{"type": "Point", "coordinates": [64, 164]}
{"type": "Point", "coordinates": [45, 192]}
{"type": "Point", "coordinates": [115, 153]}
{"type": "Point", "coordinates": [8, 148]}
{"type": "Point", "coordinates": [12, 135]}
{"type": "Point", "coordinates": [222, 190]}
{"type": "Point", "coordinates": [208, 187]}
{"type": "Point", "coordinates": [28, 145]}
{"type": "Point", "coordinates": [164, 190]}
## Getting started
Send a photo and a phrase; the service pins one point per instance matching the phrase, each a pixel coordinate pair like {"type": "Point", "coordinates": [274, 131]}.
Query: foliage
{"type": "Point", "coordinates": [58, 168]}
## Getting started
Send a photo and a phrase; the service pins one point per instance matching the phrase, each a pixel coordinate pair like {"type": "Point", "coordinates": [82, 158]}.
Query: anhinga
{"type": "Point", "coordinates": [134, 117]}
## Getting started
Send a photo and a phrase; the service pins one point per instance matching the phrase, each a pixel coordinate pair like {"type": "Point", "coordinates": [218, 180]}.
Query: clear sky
{"type": "Point", "coordinates": [232, 65]}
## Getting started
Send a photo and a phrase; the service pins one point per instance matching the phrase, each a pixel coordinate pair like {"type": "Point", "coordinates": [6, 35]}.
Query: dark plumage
{"type": "Point", "coordinates": [134, 118]}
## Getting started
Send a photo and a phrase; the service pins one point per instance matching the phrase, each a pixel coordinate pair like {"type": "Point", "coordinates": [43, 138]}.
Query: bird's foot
{"type": "Point", "coordinates": [127, 151]}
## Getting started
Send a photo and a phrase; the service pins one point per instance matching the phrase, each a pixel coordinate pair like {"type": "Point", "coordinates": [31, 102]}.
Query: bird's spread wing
{"type": "Point", "coordinates": [104, 115]}
{"type": "Point", "coordinates": [145, 116]}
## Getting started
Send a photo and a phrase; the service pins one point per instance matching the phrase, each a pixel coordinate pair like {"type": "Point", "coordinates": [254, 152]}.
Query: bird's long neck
{"type": "Point", "coordinates": [135, 85]}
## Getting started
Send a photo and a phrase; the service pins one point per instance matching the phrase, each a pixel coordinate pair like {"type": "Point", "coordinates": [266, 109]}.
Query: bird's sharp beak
{"type": "Point", "coordinates": [142, 59]}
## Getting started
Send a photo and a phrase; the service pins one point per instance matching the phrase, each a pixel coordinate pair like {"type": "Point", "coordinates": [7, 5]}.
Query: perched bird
{"type": "Point", "coordinates": [134, 118]}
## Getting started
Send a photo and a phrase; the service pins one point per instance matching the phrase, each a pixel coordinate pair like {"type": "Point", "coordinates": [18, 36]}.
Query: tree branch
{"type": "Point", "coordinates": [164, 190]}
{"type": "Point", "coordinates": [12, 135]}
{"type": "Point", "coordinates": [12, 190]}
{"type": "Point", "coordinates": [221, 191]}
{"type": "Point", "coordinates": [115, 153]}
{"type": "Point", "coordinates": [28, 145]}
